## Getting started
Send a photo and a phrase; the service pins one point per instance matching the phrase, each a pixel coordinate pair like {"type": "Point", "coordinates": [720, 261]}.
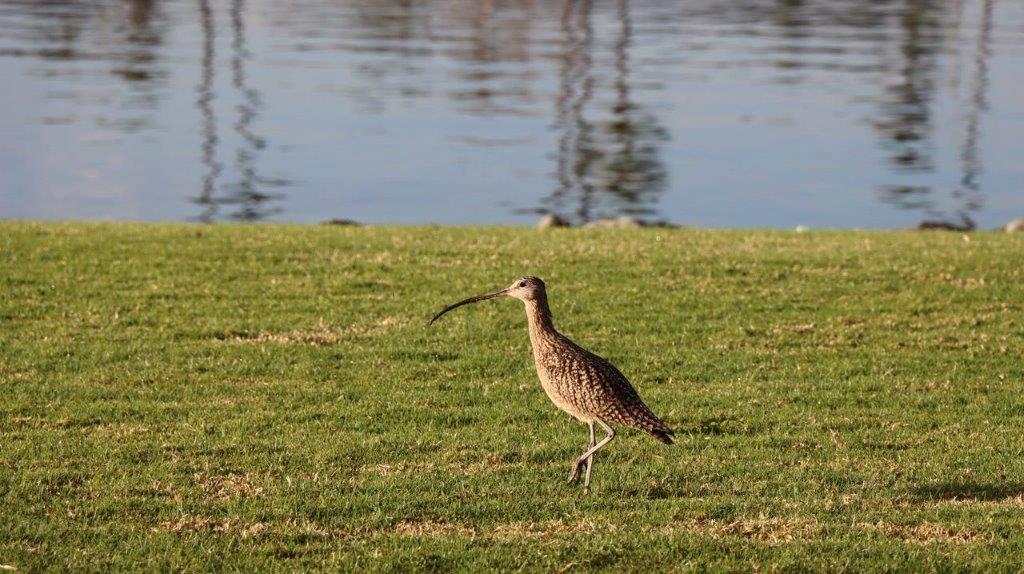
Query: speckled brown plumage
{"type": "Point", "coordinates": [583, 384]}
{"type": "Point", "coordinates": [577, 381]}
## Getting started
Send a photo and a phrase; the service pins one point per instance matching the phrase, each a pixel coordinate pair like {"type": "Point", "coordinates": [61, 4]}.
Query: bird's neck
{"type": "Point", "coordinates": [539, 315]}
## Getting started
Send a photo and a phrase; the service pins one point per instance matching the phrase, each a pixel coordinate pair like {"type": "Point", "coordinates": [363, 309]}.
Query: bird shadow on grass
{"type": "Point", "coordinates": [982, 491]}
{"type": "Point", "coordinates": [659, 490]}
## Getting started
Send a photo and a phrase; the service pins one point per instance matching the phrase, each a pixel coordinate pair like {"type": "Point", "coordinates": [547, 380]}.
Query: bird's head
{"type": "Point", "coordinates": [524, 289]}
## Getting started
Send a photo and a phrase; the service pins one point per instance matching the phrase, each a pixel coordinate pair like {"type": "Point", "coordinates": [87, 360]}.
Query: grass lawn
{"type": "Point", "coordinates": [261, 397]}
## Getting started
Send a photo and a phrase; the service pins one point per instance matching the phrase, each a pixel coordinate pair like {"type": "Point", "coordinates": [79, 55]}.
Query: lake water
{"type": "Point", "coordinates": [754, 113]}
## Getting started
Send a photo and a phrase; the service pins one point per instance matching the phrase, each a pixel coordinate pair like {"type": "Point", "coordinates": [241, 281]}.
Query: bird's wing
{"type": "Point", "coordinates": [602, 390]}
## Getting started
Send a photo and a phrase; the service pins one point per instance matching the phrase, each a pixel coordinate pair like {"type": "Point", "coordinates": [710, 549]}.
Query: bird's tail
{"type": "Point", "coordinates": [654, 426]}
{"type": "Point", "coordinates": [665, 435]}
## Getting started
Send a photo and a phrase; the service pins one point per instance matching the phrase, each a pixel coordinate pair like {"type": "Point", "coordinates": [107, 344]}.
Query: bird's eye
{"type": "Point", "coordinates": [522, 283]}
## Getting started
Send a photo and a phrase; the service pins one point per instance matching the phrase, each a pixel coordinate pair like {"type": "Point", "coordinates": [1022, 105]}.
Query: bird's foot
{"type": "Point", "coordinates": [574, 474]}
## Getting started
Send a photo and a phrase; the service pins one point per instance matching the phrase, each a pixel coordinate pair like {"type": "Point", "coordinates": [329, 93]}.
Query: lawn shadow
{"type": "Point", "coordinates": [716, 426]}
{"type": "Point", "coordinates": [982, 491]}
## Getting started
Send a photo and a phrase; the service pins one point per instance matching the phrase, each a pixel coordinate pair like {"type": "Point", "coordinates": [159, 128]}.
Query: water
{"type": "Point", "coordinates": [719, 113]}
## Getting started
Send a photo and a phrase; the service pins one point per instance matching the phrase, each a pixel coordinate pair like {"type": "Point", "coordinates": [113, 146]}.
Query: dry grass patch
{"type": "Point", "coordinates": [1016, 501]}
{"type": "Point", "coordinates": [487, 463]}
{"type": "Point", "coordinates": [222, 526]}
{"type": "Point", "coordinates": [431, 529]}
{"type": "Point", "coordinates": [319, 335]}
{"type": "Point", "coordinates": [396, 469]}
{"type": "Point", "coordinates": [927, 533]}
{"type": "Point", "coordinates": [771, 530]}
{"type": "Point", "coordinates": [545, 529]}
{"type": "Point", "coordinates": [228, 486]}
{"type": "Point", "coordinates": [374, 328]}
{"type": "Point", "coordinates": [118, 430]}
{"type": "Point", "coordinates": [502, 532]}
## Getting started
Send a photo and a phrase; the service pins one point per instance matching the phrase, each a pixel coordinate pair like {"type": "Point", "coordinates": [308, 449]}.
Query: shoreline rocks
{"type": "Point", "coordinates": [552, 220]}
{"type": "Point", "coordinates": [621, 222]}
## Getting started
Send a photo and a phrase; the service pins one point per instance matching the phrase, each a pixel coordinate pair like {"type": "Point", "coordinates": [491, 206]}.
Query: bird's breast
{"type": "Point", "coordinates": [555, 389]}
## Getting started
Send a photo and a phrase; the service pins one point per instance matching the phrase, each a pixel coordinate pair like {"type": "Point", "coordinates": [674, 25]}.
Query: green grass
{"type": "Point", "coordinates": [270, 397]}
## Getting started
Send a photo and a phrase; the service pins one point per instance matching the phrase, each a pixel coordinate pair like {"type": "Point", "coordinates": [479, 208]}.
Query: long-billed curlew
{"type": "Point", "coordinates": [579, 382]}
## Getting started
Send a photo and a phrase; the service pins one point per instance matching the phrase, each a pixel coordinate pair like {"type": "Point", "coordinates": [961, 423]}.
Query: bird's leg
{"type": "Point", "coordinates": [590, 451]}
{"type": "Point", "coordinates": [590, 459]}
{"type": "Point", "coordinates": [574, 473]}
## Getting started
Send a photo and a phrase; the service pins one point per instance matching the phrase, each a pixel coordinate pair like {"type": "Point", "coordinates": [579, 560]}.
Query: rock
{"type": "Point", "coordinates": [340, 222]}
{"type": "Point", "coordinates": [930, 225]}
{"type": "Point", "coordinates": [627, 222]}
{"type": "Point", "coordinates": [660, 223]}
{"type": "Point", "coordinates": [552, 220]}
{"type": "Point", "coordinates": [966, 224]}
{"type": "Point", "coordinates": [801, 229]}
{"type": "Point", "coordinates": [623, 222]}
{"type": "Point", "coordinates": [1014, 225]}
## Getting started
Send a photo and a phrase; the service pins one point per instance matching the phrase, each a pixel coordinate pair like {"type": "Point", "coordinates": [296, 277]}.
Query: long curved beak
{"type": "Point", "coordinates": [484, 297]}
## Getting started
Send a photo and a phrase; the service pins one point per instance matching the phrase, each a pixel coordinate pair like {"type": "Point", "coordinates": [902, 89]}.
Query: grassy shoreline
{"type": "Point", "coordinates": [237, 397]}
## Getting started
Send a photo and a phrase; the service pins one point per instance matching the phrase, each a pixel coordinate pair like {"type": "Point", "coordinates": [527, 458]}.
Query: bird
{"type": "Point", "coordinates": [579, 382]}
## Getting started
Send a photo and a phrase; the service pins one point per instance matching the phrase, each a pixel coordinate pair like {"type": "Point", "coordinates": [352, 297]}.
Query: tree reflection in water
{"type": "Point", "coordinates": [212, 167]}
{"type": "Point", "coordinates": [969, 193]}
{"type": "Point", "coordinates": [609, 167]}
{"type": "Point", "coordinates": [906, 114]}
{"type": "Point", "coordinates": [248, 196]}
